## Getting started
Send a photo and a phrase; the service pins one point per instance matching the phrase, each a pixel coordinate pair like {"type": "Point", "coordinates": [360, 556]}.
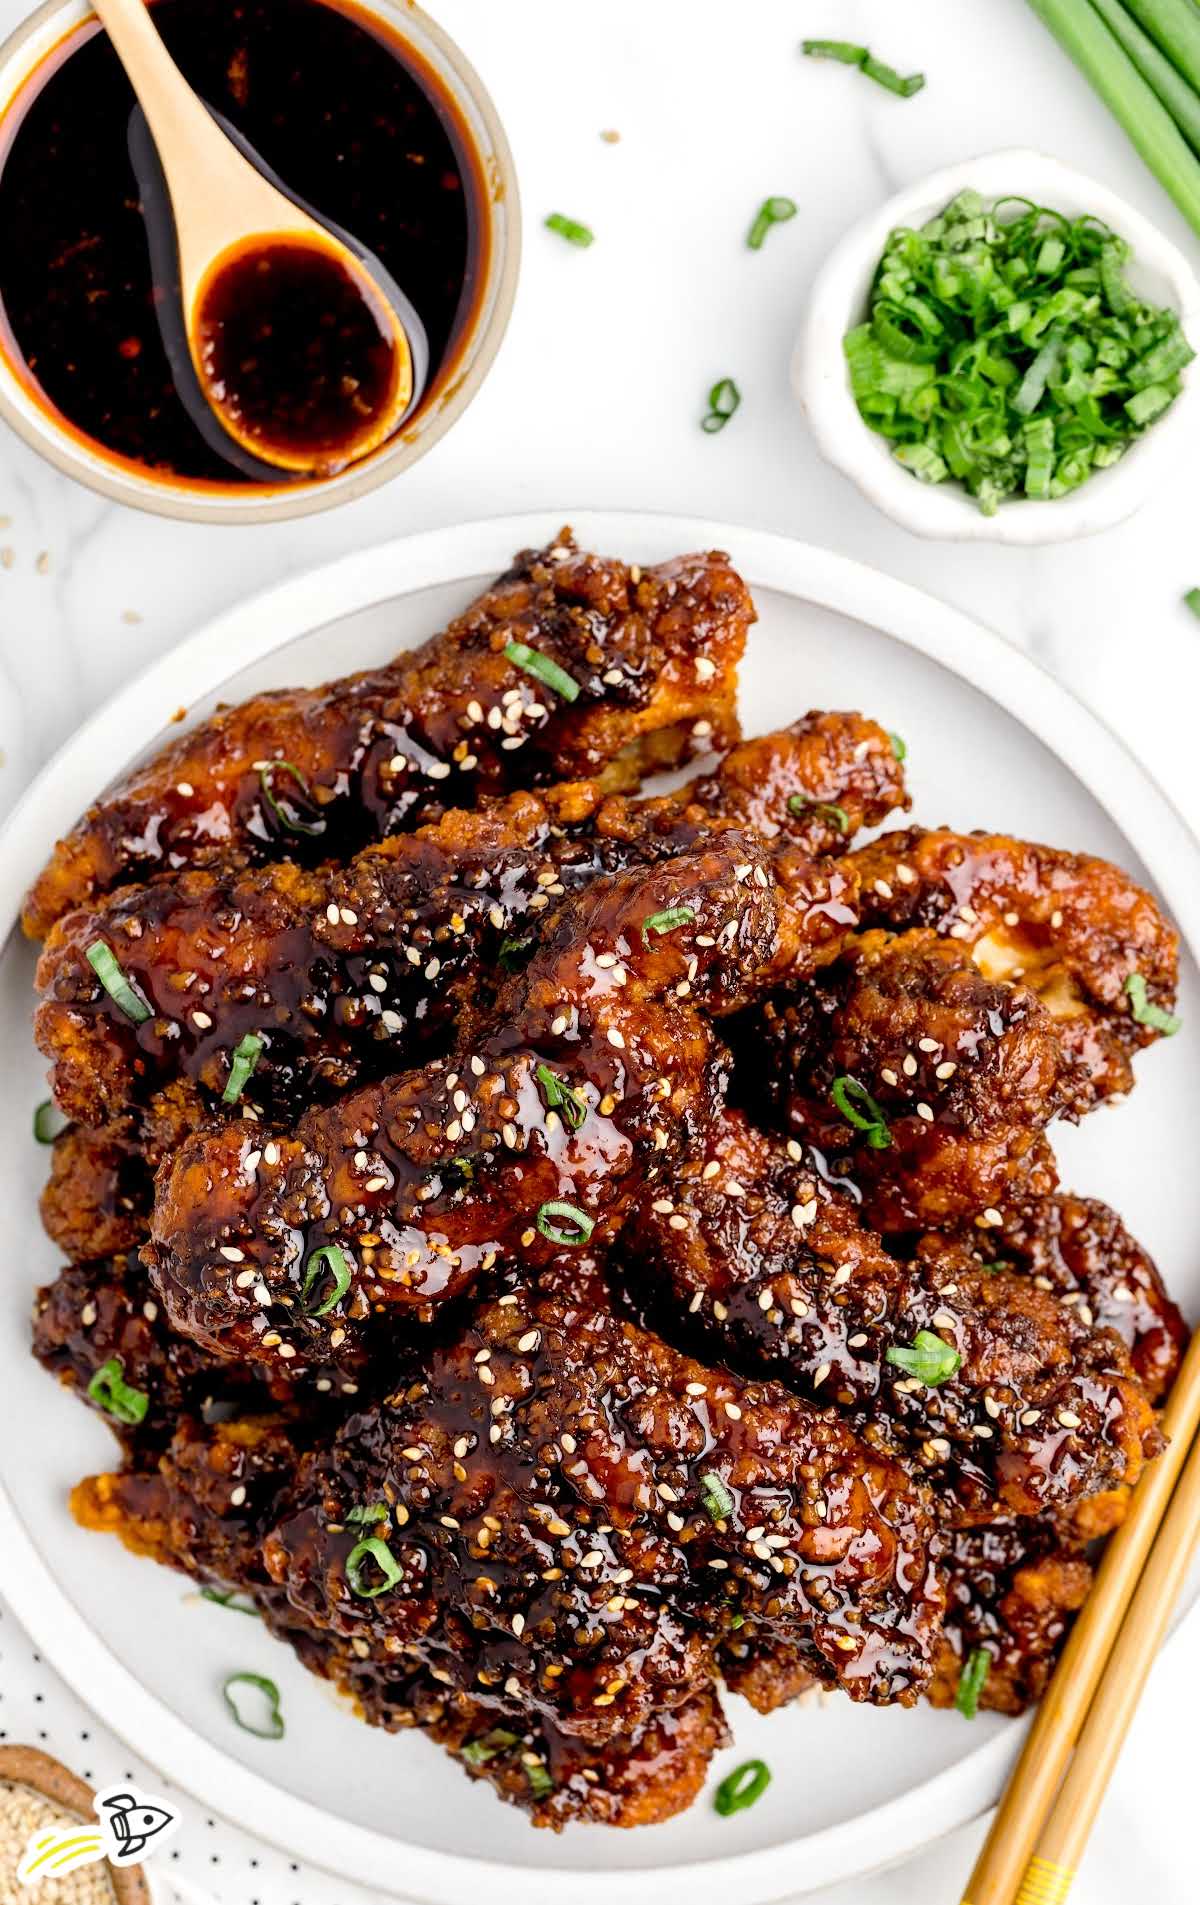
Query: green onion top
{"type": "Point", "coordinates": [48, 1122]}
{"type": "Point", "coordinates": [479, 1752]}
{"type": "Point", "coordinates": [718, 1502]}
{"type": "Point", "coordinates": [578, 1225]}
{"type": "Point", "coordinates": [723, 400]}
{"type": "Point", "coordinates": [570, 229]}
{"type": "Point", "coordinates": [103, 962]}
{"type": "Point", "coordinates": [357, 1577]}
{"type": "Point", "coordinates": [850, 55]}
{"type": "Point", "coordinates": [1144, 1010]}
{"type": "Point", "coordinates": [284, 810]}
{"type": "Point", "coordinates": [273, 1728]}
{"type": "Point", "coordinates": [899, 746]}
{"type": "Point", "coordinates": [742, 1788]}
{"type": "Point", "coordinates": [823, 809]}
{"type": "Point", "coordinates": [772, 211]}
{"type": "Point", "coordinates": [1003, 349]}
{"type": "Point", "coordinates": [858, 1108]}
{"type": "Point", "coordinates": [972, 1680]}
{"type": "Point", "coordinates": [928, 1359]}
{"type": "Point", "coordinates": [369, 1512]}
{"type": "Point", "coordinates": [229, 1600]}
{"type": "Point", "coordinates": [560, 1097]}
{"type": "Point", "coordinates": [332, 1258]}
{"type": "Point", "coordinates": [540, 1782]}
{"type": "Point", "coordinates": [109, 1390]}
{"type": "Point", "coordinates": [245, 1056]}
{"type": "Point", "coordinates": [666, 921]}
{"type": "Point", "coordinates": [533, 662]}
{"type": "Point", "coordinates": [1192, 600]}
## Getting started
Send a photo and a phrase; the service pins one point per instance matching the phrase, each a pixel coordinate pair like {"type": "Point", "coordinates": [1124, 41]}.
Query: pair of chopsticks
{"type": "Point", "coordinates": [1038, 1837]}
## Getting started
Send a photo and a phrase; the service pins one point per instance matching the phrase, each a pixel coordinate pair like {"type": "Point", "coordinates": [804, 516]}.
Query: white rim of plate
{"type": "Point", "coordinates": [247, 633]}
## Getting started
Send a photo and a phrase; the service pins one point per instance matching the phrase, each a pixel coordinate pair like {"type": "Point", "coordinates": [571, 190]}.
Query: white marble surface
{"type": "Point", "coordinates": [595, 401]}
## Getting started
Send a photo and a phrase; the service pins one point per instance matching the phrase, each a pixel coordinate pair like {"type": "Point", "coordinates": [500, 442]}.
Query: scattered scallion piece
{"type": "Point", "coordinates": [858, 1108]}
{"type": "Point", "coordinates": [772, 211]}
{"type": "Point", "coordinates": [1146, 1012]}
{"type": "Point", "coordinates": [1192, 599]}
{"type": "Point", "coordinates": [928, 1359]}
{"type": "Point", "coordinates": [540, 1782]}
{"type": "Point", "coordinates": [369, 1512]}
{"type": "Point", "coordinates": [899, 747]}
{"type": "Point", "coordinates": [103, 962]}
{"type": "Point", "coordinates": [579, 1226]}
{"type": "Point", "coordinates": [110, 1392]}
{"type": "Point", "coordinates": [329, 1257]}
{"type": "Point", "coordinates": [479, 1752]}
{"type": "Point", "coordinates": [372, 1549]}
{"type": "Point", "coordinates": [246, 1054]}
{"type": "Point", "coordinates": [718, 1502]}
{"type": "Point", "coordinates": [273, 1728]}
{"type": "Point", "coordinates": [533, 662]}
{"type": "Point", "coordinates": [560, 1097]}
{"type": "Point", "coordinates": [864, 59]}
{"type": "Point", "coordinates": [972, 1680]}
{"type": "Point", "coordinates": [229, 1601]}
{"type": "Point", "coordinates": [666, 921]}
{"type": "Point", "coordinates": [570, 229]}
{"type": "Point", "coordinates": [742, 1788]}
{"type": "Point", "coordinates": [509, 954]}
{"type": "Point", "coordinates": [1004, 350]}
{"type": "Point", "coordinates": [48, 1122]}
{"type": "Point", "coordinates": [723, 400]}
{"type": "Point", "coordinates": [823, 809]}
{"type": "Point", "coordinates": [286, 814]}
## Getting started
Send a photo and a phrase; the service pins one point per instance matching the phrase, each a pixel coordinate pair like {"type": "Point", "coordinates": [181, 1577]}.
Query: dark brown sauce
{"type": "Point", "coordinates": [298, 356]}
{"type": "Point", "coordinates": [345, 114]}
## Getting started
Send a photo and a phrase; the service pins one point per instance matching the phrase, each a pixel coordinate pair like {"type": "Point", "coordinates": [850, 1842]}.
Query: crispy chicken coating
{"type": "Point", "coordinates": [566, 1509]}
{"type": "Point", "coordinates": [97, 1200]}
{"type": "Point", "coordinates": [912, 1073]}
{"type": "Point", "coordinates": [1027, 1407]}
{"type": "Point", "coordinates": [651, 655]}
{"type": "Point", "coordinates": [1013, 1590]}
{"type": "Point", "coordinates": [1071, 927]}
{"type": "Point", "coordinates": [596, 1069]}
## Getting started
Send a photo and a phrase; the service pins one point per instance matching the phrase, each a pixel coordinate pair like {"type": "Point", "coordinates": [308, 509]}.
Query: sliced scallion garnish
{"type": "Point", "coordinates": [48, 1122]}
{"type": "Point", "coordinates": [742, 1788]}
{"type": "Point", "coordinates": [800, 805]}
{"type": "Point", "coordinates": [579, 1226]}
{"type": "Point", "coordinates": [666, 921]}
{"type": "Point", "coordinates": [927, 1359]}
{"type": "Point", "coordinates": [772, 211]}
{"type": "Point", "coordinates": [718, 1502]}
{"type": "Point", "coordinates": [899, 747]}
{"type": "Point", "coordinates": [971, 1681]}
{"type": "Point", "coordinates": [540, 1782]}
{"type": "Point", "coordinates": [850, 55]}
{"type": "Point", "coordinates": [858, 1108]}
{"type": "Point", "coordinates": [533, 662]}
{"type": "Point", "coordinates": [103, 962]}
{"type": "Point", "coordinates": [509, 954]}
{"type": "Point", "coordinates": [560, 1097]}
{"type": "Point", "coordinates": [1192, 600]}
{"type": "Point", "coordinates": [110, 1392]}
{"type": "Point", "coordinates": [723, 400]}
{"type": "Point", "coordinates": [479, 1752]}
{"type": "Point", "coordinates": [285, 815]}
{"type": "Point", "coordinates": [272, 1720]}
{"type": "Point", "coordinates": [229, 1600]}
{"type": "Point", "coordinates": [570, 229]}
{"type": "Point", "coordinates": [372, 1549]}
{"type": "Point", "coordinates": [245, 1056]}
{"type": "Point", "coordinates": [369, 1512]}
{"type": "Point", "coordinates": [1144, 1010]}
{"type": "Point", "coordinates": [331, 1258]}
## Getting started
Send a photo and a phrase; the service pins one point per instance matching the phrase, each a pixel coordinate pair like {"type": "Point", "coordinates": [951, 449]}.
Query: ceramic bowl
{"type": "Point", "coordinates": [24, 407]}
{"type": "Point", "coordinates": [839, 301]}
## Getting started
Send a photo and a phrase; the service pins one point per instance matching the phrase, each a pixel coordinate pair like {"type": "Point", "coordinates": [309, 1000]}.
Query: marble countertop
{"type": "Point", "coordinates": [596, 398]}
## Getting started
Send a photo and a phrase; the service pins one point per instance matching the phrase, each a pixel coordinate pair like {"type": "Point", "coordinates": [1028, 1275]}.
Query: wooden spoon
{"type": "Point", "coordinates": [298, 351]}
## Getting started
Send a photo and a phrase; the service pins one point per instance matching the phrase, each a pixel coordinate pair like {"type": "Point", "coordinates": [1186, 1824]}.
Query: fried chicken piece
{"type": "Point", "coordinates": [1028, 1408]}
{"type": "Point", "coordinates": [1073, 928]}
{"type": "Point", "coordinates": [651, 654]}
{"type": "Point", "coordinates": [566, 1509]}
{"type": "Point", "coordinates": [946, 1079]}
{"type": "Point", "coordinates": [598, 1063]}
{"type": "Point", "coordinates": [98, 1198]}
{"type": "Point", "coordinates": [1079, 1248]}
{"type": "Point", "coordinates": [768, 1676]}
{"type": "Point", "coordinates": [1013, 1590]}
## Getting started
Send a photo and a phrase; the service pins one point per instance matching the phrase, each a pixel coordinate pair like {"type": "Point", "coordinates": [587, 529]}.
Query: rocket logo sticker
{"type": "Point", "coordinates": [128, 1822]}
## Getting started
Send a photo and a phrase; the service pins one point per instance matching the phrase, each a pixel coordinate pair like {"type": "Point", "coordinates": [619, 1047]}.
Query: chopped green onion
{"type": "Point", "coordinates": [718, 1502]}
{"type": "Point", "coordinates": [1192, 599]}
{"type": "Point", "coordinates": [972, 1680]}
{"type": "Point", "coordinates": [772, 211]}
{"type": "Point", "coordinates": [666, 921]}
{"type": "Point", "coordinates": [560, 1097]}
{"type": "Point", "coordinates": [479, 1752]}
{"type": "Point", "coordinates": [48, 1122]}
{"type": "Point", "coordinates": [330, 1257]}
{"type": "Point", "coordinates": [848, 1094]}
{"type": "Point", "coordinates": [285, 815]}
{"type": "Point", "coordinates": [273, 1728]}
{"type": "Point", "coordinates": [823, 809]}
{"type": "Point", "coordinates": [540, 1782]}
{"type": "Point", "coordinates": [723, 400]}
{"type": "Point", "coordinates": [369, 1512]}
{"type": "Point", "coordinates": [1144, 1010]}
{"type": "Point", "coordinates": [372, 1549]}
{"type": "Point", "coordinates": [246, 1054]}
{"type": "Point", "coordinates": [510, 949]}
{"type": "Point", "coordinates": [570, 229]}
{"type": "Point", "coordinates": [579, 1225]}
{"type": "Point", "coordinates": [230, 1601]}
{"type": "Point", "coordinates": [928, 1359]}
{"type": "Point", "coordinates": [742, 1788]}
{"type": "Point", "coordinates": [899, 747]}
{"type": "Point", "coordinates": [547, 671]}
{"type": "Point", "coordinates": [103, 963]}
{"type": "Point", "coordinates": [109, 1390]}
{"type": "Point", "coordinates": [860, 56]}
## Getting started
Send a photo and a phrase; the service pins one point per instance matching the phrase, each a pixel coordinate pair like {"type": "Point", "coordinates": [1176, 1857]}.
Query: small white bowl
{"type": "Point", "coordinates": [839, 301]}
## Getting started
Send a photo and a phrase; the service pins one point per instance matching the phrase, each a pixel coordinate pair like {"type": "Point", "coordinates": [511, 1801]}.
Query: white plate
{"type": "Point", "coordinates": [992, 742]}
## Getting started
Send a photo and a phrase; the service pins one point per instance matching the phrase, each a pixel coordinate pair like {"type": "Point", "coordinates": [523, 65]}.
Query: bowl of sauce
{"type": "Point", "coordinates": [362, 109]}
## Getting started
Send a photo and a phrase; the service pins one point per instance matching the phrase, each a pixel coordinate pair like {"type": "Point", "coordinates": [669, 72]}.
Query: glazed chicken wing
{"type": "Point", "coordinates": [637, 671]}
{"type": "Point", "coordinates": [1013, 1589]}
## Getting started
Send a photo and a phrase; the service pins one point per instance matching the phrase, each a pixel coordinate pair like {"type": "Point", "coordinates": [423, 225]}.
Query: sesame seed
{"type": "Point", "coordinates": [909, 1067]}
{"type": "Point", "coordinates": [946, 1069]}
{"type": "Point", "coordinates": [616, 1038]}
{"type": "Point", "coordinates": [1056, 918]}
{"type": "Point", "coordinates": [883, 889]}
{"type": "Point", "coordinates": [87, 1315]}
{"type": "Point", "coordinates": [237, 1495]}
{"type": "Point", "coordinates": [905, 875]}
{"type": "Point", "coordinates": [766, 1299]}
{"type": "Point", "coordinates": [438, 770]}
{"type": "Point", "coordinates": [888, 1076]}
{"type": "Point", "coordinates": [992, 1216]}
{"type": "Point", "coordinates": [733, 1412]}
{"type": "Point", "coordinates": [925, 1111]}
{"type": "Point", "coordinates": [518, 1625]}
{"type": "Point", "coordinates": [695, 1389]}
{"type": "Point", "coordinates": [245, 1278]}
{"type": "Point", "coordinates": [529, 1341]}
{"type": "Point", "coordinates": [1069, 1419]}
{"type": "Point", "coordinates": [928, 1045]}
{"type": "Point", "coordinates": [821, 1374]}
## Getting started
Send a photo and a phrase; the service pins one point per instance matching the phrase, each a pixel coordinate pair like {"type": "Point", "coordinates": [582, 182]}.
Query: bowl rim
{"type": "Point", "coordinates": [257, 627]}
{"type": "Point", "coordinates": [946, 511]}
{"type": "Point", "coordinates": [157, 496]}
